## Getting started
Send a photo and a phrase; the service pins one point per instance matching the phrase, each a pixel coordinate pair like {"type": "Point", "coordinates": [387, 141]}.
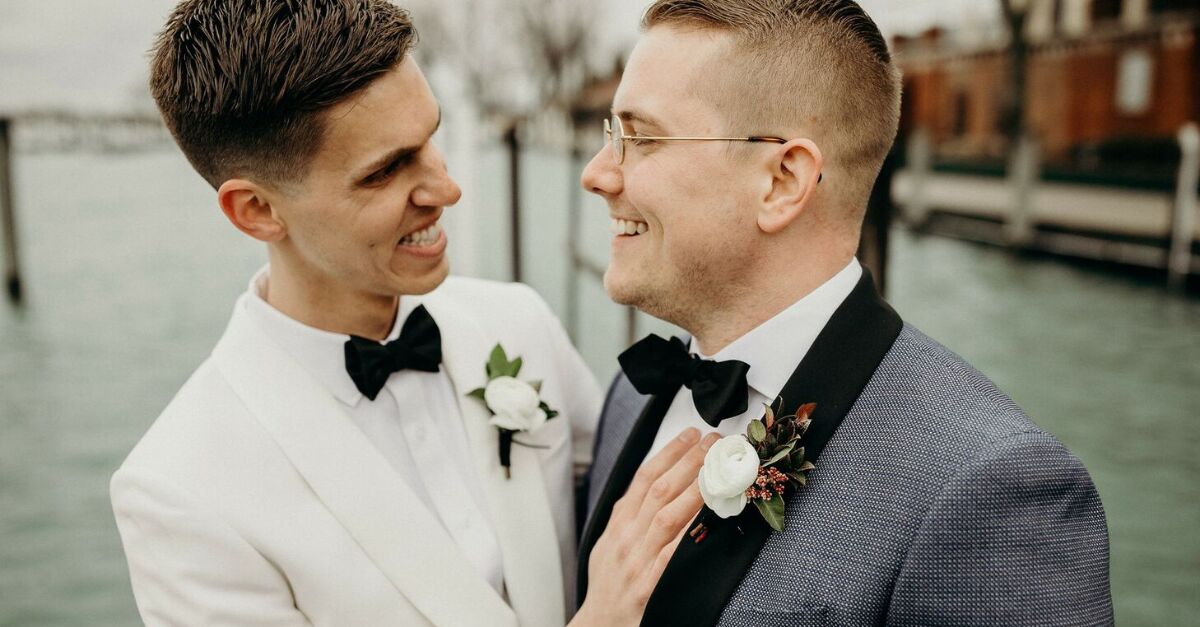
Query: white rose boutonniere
{"type": "Point", "coordinates": [516, 405]}
{"type": "Point", "coordinates": [758, 467]}
{"type": "Point", "coordinates": [730, 468]}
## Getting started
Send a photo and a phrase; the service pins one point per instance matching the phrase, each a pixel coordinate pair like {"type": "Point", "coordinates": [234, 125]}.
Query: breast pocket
{"type": "Point", "coordinates": [805, 616]}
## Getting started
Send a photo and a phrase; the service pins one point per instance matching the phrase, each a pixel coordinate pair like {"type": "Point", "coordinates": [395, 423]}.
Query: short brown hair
{"type": "Point", "coordinates": [241, 84]}
{"type": "Point", "coordinates": [815, 66]}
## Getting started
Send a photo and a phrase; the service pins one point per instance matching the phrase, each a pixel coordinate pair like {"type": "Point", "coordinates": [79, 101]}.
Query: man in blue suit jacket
{"type": "Point", "coordinates": [745, 139]}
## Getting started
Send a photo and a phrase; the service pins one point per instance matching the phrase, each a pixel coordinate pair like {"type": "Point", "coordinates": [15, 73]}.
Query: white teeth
{"type": "Point", "coordinates": [627, 227]}
{"type": "Point", "coordinates": [425, 237]}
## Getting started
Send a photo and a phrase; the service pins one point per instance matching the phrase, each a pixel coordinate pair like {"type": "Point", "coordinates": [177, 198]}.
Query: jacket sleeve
{"type": "Point", "coordinates": [188, 567]}
{"type": "Point", "coordinates": [1016, 537]}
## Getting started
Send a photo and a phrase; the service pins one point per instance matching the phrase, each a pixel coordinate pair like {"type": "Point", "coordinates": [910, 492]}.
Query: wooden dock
{"type": "Point", "coordinates": [1145, 228]}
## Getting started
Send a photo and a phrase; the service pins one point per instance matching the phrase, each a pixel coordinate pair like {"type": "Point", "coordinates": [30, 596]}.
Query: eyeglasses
{"type": "Point", "coordinates": [614, 132]}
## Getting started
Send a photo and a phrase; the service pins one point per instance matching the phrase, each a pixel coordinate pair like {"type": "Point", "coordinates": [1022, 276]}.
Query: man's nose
{"type": "Point", "coordinates": [602, 176]}
{"type": "Point", "coordinates": [438, 190]}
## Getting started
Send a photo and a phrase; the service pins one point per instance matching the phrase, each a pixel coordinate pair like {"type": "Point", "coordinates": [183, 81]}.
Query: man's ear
{"type": "Point", "coordinates": [248, 206]}
{"type": "Point", "coordinates": [795, 172]}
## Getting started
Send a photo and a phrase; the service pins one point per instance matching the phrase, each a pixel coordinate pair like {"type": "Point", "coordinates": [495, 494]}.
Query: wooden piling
{"type": "Point", "coordinates": [512, 141]}
{"type": "Point", "coordinates": [1183, 222]}
{"type": "Point", "coordinates": [574, 250]}
{"type": "Point", "coordinates": [919, 161]}
{"type": "Point", "coordinates": [8, 222]}
{"type": "Point", "coordinates": [1023, 175]}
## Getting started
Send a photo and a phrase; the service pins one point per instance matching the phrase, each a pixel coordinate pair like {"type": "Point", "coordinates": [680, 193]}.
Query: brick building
{"type": "Point", "coordinates": [1103, 77]}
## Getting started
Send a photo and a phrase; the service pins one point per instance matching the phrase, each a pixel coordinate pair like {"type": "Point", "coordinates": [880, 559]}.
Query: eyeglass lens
{"type": "Point", "coordinates": [615, 133]}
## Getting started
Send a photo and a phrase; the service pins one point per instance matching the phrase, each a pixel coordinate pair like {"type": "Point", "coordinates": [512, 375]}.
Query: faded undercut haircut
{"type": "Point", "coordinates": [818, 67]}
{"type": "Point", "coordinates": [242, 84]}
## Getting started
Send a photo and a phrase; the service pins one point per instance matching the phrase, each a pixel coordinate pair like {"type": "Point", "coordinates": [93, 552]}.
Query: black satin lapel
{"type": "Point", "coordinates": [640, 439]}
{"type": "Point", "coordinates": [701, 577]}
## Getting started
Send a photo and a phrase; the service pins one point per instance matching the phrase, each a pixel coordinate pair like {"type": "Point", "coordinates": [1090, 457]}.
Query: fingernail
{"type": "Point", "coordinates": [710, 440]}
{"type": "Point", "coordinates": [689, 435]}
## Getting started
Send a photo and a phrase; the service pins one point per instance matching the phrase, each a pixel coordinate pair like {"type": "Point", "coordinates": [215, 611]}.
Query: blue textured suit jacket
{"type": "Point", "coordinates": [935, 501]}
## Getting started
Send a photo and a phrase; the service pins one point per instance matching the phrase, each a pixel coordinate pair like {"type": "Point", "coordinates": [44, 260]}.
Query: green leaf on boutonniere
{"type": "Point", "coordinates": [756, 432]}
{"type": "Point", "coordinates": [780, 454]}
{"type": "Point", "coordinates": [477, 393]}
{"type": "Point", "coordinates": [797, 457]}
{"type": "Point", "coordinates": [798, 478]}
{"type": "Point", "coordinates": [768, 416]}
{"type": "Point", "coordinates": [786, 431]}
{"type": "Point", "coordinates": [772, 511]}
{"type": "Point", "coordinates": [497, 364]}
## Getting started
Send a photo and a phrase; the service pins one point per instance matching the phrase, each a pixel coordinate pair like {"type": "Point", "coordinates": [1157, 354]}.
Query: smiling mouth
{"type": "Point", "coordinates": [630, 228]}
{"type": "Point", "coordinates": [427, 236]}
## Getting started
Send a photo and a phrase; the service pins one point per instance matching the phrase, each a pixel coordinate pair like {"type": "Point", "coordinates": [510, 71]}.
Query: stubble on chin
{"type": "Point", "coordinates": [621, 292]}
{"type": "Point", "coordinates": [674, 300]}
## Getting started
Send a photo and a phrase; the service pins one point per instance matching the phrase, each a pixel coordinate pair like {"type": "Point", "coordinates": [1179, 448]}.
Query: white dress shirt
{"type": "Point", "coordinates": [414, 421]}
{"type": "Point", "coordinates": [773, 349]}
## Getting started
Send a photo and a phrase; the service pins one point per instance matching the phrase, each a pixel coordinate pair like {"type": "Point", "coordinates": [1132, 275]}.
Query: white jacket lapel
{"type": "Point", "coordinates": [519, 506]}
{"type": "Point", "coordinates": [355, 481]}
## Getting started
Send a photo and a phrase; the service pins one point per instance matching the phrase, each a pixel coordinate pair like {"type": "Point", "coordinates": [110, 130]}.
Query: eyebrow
{"type": "Point", "coordinates": [399, 153]}
{"type": "Point", "coordinates": [632, 115]}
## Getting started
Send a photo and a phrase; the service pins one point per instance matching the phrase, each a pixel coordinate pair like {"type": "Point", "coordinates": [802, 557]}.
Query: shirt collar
{"type": "Point", "coordinates": [773, 348]}
{"type": "Point", "coordinates": [320, 352]}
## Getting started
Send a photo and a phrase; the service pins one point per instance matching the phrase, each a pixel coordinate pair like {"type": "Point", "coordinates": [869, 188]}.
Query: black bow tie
{"type": "Point", "coordinates": [658, 366]}
{"type": "Point", "coordinates": [419, 347]}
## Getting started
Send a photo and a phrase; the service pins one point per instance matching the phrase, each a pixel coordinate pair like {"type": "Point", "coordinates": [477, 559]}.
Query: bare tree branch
{"type": "Point", "coordinates": [539, 45]}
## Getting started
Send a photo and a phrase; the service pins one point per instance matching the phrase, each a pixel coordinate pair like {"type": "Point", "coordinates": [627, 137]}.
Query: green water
{"type": "Point", "coordinates": [131, 272]}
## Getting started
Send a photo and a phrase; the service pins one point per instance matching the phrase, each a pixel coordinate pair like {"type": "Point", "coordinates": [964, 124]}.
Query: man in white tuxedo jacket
{"type": "Point", "coordinates": [326, 464]}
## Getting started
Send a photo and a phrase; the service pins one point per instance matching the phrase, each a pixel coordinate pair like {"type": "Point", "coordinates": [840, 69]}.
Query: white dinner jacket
{"type": "Point", "coordinates": [255, 500]}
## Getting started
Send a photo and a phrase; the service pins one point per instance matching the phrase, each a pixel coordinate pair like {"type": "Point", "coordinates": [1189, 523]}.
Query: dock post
{"type": "Point", "coordinates": [1023, 175]}
{"type": "Point", "coordinates": [919, 158]}
{"type": "Point", "coordinates": [574, 217]}
{"type": "Point", "coordinates": [8, 222]}
{"type": "Point", "coordinates": [1183, 220]}
{"type": "Point", "coordinates": [512, 140]}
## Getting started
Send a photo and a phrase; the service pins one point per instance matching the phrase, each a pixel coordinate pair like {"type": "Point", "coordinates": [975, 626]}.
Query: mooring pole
{"type": "Point", "coordinates": [1183, 222]}
{"type": "Point", "coordinates": [512, 140]}
{"type": "Point", "coordinates": [574, 209]}
{"type": "Point", "coordinates": [1023, 175]}
{"type": "Point", "coordinates": [919, 161]}
{"type": "Point", "coordinates": [8, 222]}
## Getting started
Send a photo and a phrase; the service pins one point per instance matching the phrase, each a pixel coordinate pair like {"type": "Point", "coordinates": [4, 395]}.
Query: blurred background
{"type": "Point", "coordinates": [1038, 216]}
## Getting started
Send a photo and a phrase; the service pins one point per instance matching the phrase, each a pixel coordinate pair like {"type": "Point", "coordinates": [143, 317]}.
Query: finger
{"type": "Point", "coordinates": [673, 482]}
{"type": "Point", "coordinates": [668, 525]}
{"type": "Point", "coordinates": [670, 521]}
{"type": "Point", "coordinates": [652, 469]}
